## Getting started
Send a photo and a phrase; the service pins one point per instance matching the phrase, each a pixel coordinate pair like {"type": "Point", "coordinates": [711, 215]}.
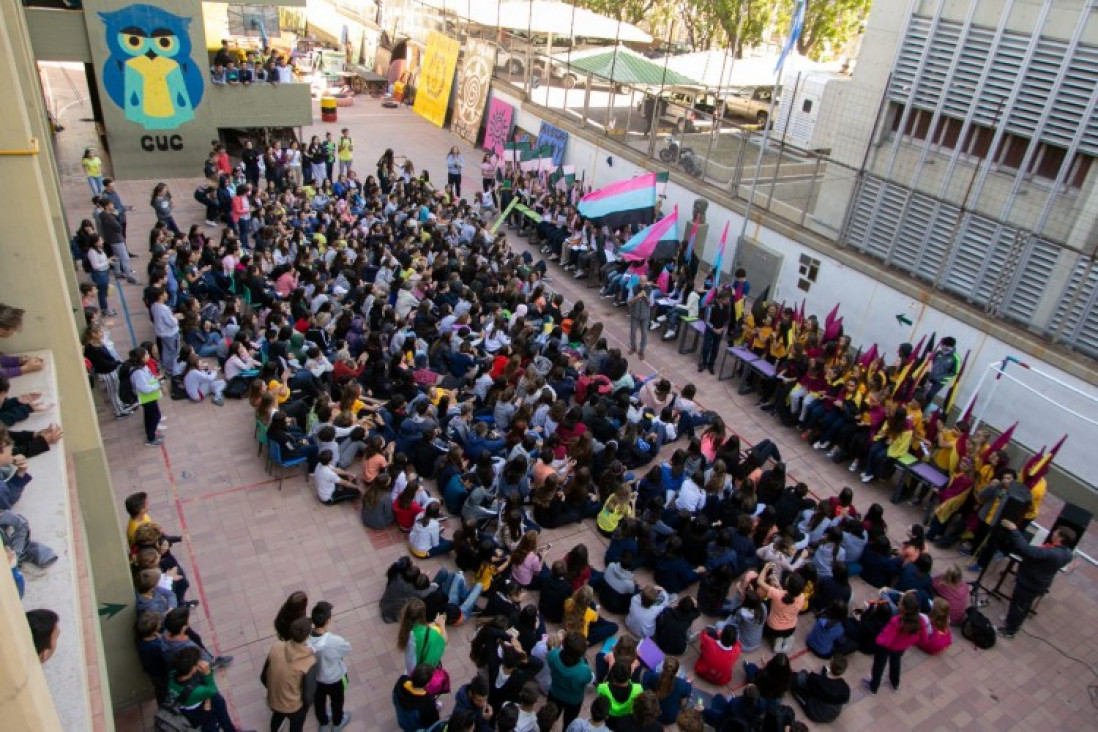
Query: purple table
{"type": "Point", "coordinates": [922, 473]}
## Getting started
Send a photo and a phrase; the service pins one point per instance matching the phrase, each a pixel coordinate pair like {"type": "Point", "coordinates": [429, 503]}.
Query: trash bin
{"type": "Point", "coordinates": [328, 109]}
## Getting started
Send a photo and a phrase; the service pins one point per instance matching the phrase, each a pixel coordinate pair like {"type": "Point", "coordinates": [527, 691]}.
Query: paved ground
{"type": "Point", "coordinates": [248, 545]}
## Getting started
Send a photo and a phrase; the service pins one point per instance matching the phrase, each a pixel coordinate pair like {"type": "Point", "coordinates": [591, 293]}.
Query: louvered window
{"type": "Point", "coordinates": [1005, 68]}
{"type": "Point", "coordinates": [1030, 281]}
{"type": "Point", "coordinates": [1076, 317]}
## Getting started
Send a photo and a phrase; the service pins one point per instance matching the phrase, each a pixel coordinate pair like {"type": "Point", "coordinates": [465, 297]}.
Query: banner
{"type": "Point", "coordinates": [554, 137]}
{"type": "Point", "coordinates": [497, 130]}
{"type": "Point", "coordinates": [476, 77]}
{"type": "Point", "coordinates": [436, 78]}
{"type": "Point", "coordinates": [503, 216]}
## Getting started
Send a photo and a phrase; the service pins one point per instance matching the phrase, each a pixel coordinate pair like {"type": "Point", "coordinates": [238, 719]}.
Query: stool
{"type": "Point", "coordinates": [694, 327]}
{"type": "Point", "coordinates": [921, 472]}
{"type": "Point", "coordinates": [738, 354]}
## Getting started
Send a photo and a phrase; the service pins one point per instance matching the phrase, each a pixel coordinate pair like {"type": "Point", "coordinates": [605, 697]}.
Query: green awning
{"type": "Point", "coordinates": [623, 66]}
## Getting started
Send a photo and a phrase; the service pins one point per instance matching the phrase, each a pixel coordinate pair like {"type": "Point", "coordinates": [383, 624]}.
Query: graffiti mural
{"type": "Point", "coordinates": [150, 74]}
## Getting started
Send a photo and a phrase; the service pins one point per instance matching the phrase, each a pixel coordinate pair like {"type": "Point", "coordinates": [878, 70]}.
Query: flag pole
{"type": "Point", "coordinates": [790, 46]}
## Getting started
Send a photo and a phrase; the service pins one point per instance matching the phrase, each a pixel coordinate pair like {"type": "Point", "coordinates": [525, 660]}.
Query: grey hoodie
{"type": "Point", "coordinates": [619, 579]}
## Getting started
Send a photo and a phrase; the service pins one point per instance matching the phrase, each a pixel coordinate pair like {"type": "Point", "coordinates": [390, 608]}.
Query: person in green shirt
{"type": "Point", "coordinates": [620, 689]}
{"type": "Point", "coordinates": [329, 154]}
{"type": "Point", "coordinates": [569, 675]}
{"type": "Point", "coordinates": [192, 690]}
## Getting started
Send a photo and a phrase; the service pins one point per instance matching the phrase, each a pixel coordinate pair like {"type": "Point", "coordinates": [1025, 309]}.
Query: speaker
{"type": "Point", "coordinates": [1015, 502]}
{"type": "Point", "coordinates": [1075, 518]}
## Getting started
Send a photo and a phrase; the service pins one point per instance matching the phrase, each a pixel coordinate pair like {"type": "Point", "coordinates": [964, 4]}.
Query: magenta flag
{"type": "Point", "coordinates": [497, 126]}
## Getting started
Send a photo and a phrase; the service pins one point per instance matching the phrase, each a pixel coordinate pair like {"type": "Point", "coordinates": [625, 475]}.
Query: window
{"type": "Point", "coordinates": [806, 106]}
{"type": "Point", "coordinates": [979, 139]}
{"type": "Point", "coordinates": [1012, 150]}
{"type": "Point", "coordinates": [948, 132]}
{"type": "Point", "coordinates": [1080, 168]}
{"type": "Point", "coordinates": [1048, 161]}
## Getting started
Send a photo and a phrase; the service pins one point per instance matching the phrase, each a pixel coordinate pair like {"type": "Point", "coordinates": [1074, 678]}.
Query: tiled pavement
{"type": "Point", "coordinates": [248, 545]}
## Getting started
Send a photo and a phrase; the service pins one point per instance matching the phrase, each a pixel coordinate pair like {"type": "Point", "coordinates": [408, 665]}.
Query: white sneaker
{"type": "Point", "coordinates": [853, 465]}
{"type": "Point", "coordinates": [820, 445]}
{"type": "Point", "coordinates": [867, 478]}
{"type": "Point", "coordinates": [653, 326]}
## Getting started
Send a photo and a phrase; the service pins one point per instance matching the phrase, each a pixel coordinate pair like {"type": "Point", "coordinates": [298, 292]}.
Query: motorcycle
{"type": "Point", "coordinates": [675, 152]}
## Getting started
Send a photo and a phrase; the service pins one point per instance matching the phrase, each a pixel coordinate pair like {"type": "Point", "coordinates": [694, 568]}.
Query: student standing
{"type": "Point", "coordinates": [640, 317]}
{"type": "Point", "coordinates": [93, 169]}
{"type": "Point", "coordinates": [905, 629]}
{"type": "Point", "coordinates": [288, 662]}
{"type": "Point", "coordinates": [346, 152]}
{"type": "Point", "coordinates": [166, 327]}
{"type": "Point", "coordinates": [147, 388]}
{"type": "Point", "coordinates": [454, 164]}
{"type": "Point", "coordinates": [716, 323]}
{"type": "Point", "coordinates": [331, 676]}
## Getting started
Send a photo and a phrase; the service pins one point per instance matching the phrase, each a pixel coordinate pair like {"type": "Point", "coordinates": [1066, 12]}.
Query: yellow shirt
{"type": "Point", "coordinates": [275, 387]}
{"type": "Point", "coordinates": [589, 616]}
{"type": "Point", "coordinates": [346, 148]}
{"type": "Point", "coordinates": [131, 528]}
{"type": "Point", "coordinates": [93, 167]}
{"type": "Point", "coordinates": [1036, 495]}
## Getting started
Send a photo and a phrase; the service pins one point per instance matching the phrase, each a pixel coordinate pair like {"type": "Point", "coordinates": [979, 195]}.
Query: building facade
{"type": "Point", "coordinates": [974, 131]}
{"type": "Point", "coordinates": [153, 96]}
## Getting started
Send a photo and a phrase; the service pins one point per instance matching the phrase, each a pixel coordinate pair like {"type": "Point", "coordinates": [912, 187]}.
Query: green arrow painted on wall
{"type": "Point", "coordinates": [902, 319]}
{"type": "Point", "coordinates": [110, 609]}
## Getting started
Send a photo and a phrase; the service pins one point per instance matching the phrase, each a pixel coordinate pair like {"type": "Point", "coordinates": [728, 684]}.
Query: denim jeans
{"type": "Point", "coordinates": [453, 583]}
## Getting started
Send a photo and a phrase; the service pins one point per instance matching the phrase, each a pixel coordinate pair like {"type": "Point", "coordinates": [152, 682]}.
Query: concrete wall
{"type": "Point", "coordinates": [871, 298]}
{"type": "Point", "coordinates": [58, 35]}
{"type": "Point", "coordinates": [174, 145]}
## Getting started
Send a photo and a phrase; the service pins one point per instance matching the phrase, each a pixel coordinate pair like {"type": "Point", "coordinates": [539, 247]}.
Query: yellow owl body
{"type": "Point", "coordinates": [153, 73]}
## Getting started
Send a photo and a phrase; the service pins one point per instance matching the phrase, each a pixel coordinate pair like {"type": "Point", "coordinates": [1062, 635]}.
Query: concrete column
{"type": "Point", "coordinates": [25, 702]}
{"type": "Point", "coordinates": [38, 276]}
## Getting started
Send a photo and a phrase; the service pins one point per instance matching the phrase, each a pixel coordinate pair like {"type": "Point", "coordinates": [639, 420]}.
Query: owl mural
{"type": "Point", "coordinates": [150, 73]}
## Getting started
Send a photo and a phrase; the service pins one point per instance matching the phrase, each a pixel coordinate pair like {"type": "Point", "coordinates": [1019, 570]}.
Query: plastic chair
{"type": "Point", "coordinates": [274, 457]}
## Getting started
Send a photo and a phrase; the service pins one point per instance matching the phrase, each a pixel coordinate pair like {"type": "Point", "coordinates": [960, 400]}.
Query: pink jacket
{"type": "Point", "coordinates": [893, 640]}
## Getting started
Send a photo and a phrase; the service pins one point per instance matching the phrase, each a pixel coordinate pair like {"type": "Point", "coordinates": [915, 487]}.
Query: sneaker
{"type": "Point", "coordinates": [191, 604]}
{"type": "Point", "coordinates": [580, 275]}
{"type": "Point", "coordinates": [1004, 631]}
{"type": "Point", "coordinates": [219, 401]}
{"type": "Point", "coordinates": [832, 453]}
{"type": "Point", "coordinates": [110, 313]}
{"type": "Point", "coordinates": [895, 688]}
{"type": "Point", "coordinates": [654, 326]}
{"type": "Point", "coordinates": [868, 477]}
{"type": "Point", "coordinates": [868, 686]}
{"type": "Point", "coordinates": [221, 662]}
{"type": "Point", "coordinates": [344, 723]}
{"type": "Point", "coordinates": [661, 318]}
{"type": "Point", "coordinates": [853, 466]}
{"type": "Point", "coordinates": [211, 223]}
{"type": "Point", "coordinates": [154, 443]}
{"type": "Point", "coordinates": [820, 445]}
{"type": "Point", "coordinates": [123, 415]}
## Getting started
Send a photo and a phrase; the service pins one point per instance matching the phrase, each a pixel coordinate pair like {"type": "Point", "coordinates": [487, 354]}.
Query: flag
{"type": "Point", "coordinates": [758, 308]}
{"type": "Point", "coordinates": [967, 416]}
{"type": "Point", "coordinates": [737, 302]}
{"type": "Point", "coordinates": [643, 244]}
{"type": "Point", "coordinates": [631, 201]}
{"type": "Point", "coordinates": [1000, 442]}
{"type": "Point", "coordinates": [1038, 467]}
{"type": "Point", "coordinates": [563, 177]}
{"type": "Point", "coordinates": [661, 182]}
{"type": "Point", "coordinates": [868, 357]}
{"type": "Point", "coordinates": [689, 253]}
{"type": "Point", "coordinates": [831, 316]}
{"type": "Point", "coordinates": [512, 151]}
{"type": "Point", "coordinates": [930, 344]}
{"type": "Point", "coordinates": [794, 34]}
{"type": "Point", "coordinates": [717, 268]}
{"type": "Point", "coordinates": [800, 319]}
{"type": "Point", "coordinates": [538, 159]}
{"type": "Point", "coordinates": [951, 395]}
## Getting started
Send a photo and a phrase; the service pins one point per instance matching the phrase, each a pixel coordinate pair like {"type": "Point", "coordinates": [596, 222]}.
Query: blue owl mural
{"type": "Point", "coordinates": [150, 73]}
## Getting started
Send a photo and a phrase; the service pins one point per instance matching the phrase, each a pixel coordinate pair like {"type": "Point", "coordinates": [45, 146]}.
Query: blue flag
{"type": "Point", "coordinates": [794, 34]}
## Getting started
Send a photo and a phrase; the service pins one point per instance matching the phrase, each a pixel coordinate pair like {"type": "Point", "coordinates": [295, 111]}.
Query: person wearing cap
{"type": "Point", "coordinates": [944, 368]}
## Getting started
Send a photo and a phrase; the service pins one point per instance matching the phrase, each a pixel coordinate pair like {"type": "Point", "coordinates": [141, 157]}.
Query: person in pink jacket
{"type": "Point", "coordinates": [938, 635]}
{"type": "Point", "coordinates": [905, 629]}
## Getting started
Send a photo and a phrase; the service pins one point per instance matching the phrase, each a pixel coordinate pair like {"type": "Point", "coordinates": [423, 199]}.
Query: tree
{"type": "Point", "coordinates": [744, 22]}
{"type": "Point", "coordinates": [829, 25]}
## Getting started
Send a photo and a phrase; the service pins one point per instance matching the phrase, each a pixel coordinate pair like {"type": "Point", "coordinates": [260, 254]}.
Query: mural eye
{"type": "Point", "coordinates": [134, 41]}
{"type": "Point", "coordinates": [166, 42]}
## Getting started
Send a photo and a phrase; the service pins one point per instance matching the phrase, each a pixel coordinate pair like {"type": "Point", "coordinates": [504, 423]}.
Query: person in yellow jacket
{"type": "Point", "coordinates": [892, 443]}
{"type": "Point", "coordinates": [345, 152]}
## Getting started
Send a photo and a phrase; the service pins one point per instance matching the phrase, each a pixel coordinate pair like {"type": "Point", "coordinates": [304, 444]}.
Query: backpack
{"type": "Point", "coordinates": [978, 629]}
{"type": "Point", "coordinates": [125, 385]}
{"type": "Point", "coordinates": [178, 391]}
{"type": "Point", "coordinates": [168, 717]}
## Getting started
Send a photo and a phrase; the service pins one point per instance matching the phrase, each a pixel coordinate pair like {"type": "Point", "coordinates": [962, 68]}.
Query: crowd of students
{"type": "Point", "coordinates": [423, 368]}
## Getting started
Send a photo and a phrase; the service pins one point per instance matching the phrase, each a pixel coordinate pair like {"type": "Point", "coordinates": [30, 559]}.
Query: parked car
{"type": "Point", "coordinates": [752, 102]}
{"type": "Point", "coordinates": [684, 108]}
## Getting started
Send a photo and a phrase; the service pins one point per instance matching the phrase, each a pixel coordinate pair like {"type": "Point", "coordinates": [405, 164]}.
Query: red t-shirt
{"type": "Point", "coordinates": [716, 662]}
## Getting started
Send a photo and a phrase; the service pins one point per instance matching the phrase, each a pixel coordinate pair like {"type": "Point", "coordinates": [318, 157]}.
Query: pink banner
{"type": "Point", "coordinates": [497, 126]}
